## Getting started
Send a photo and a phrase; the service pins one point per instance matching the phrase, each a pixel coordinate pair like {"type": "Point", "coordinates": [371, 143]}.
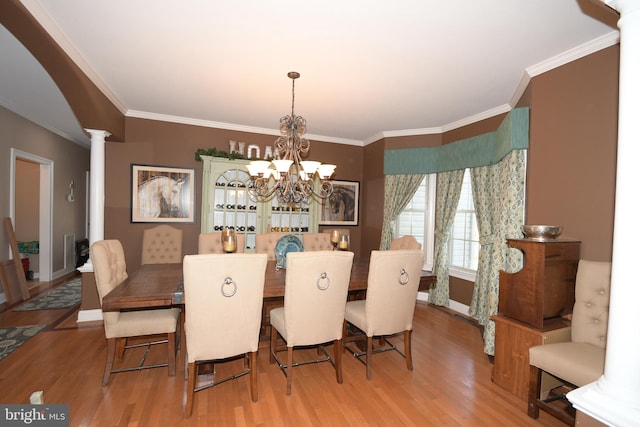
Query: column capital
{"type": "Point", "coordinates": [98, 133]}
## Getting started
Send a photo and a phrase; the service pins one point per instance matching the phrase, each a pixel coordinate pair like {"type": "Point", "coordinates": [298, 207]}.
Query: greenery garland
{"type": "Point", "coordinates": [213, 152]}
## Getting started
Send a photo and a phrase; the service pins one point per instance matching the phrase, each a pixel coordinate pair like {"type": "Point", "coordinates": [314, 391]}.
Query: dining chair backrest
{"type": "Point", "coordinates": [317, 242]}
{"type": "Point", "coordinates": [392, 289]}
{"type": "Point", "coordinates": [109, 265]}
{"type": "Point", "coordinates": [161, 244]}
{"type": "Point", "coordinates": [405, 242]}
{"type": "Point", "coordinates": [315, 296]}
{"type": "Point", "coordinates": [266, 243]}
{"type": "Point", "coordinates": [223, 296]}
{"type": "Point", "coordinates": [210, 243]}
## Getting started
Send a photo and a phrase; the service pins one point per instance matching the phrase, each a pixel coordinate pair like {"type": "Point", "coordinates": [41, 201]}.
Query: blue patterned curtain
{"type": "Point", "coordinates": [498, 196]}
{"type": "Point", "coordinates": [398, 192]}
{"type": "Point", "coordinates": [448, 193]}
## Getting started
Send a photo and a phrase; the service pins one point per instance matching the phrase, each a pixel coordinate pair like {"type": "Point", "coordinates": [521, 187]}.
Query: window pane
{"type": "Point", "coordinates": [465, 246]}
{"type": "Point", "coordinates": [417, 218]}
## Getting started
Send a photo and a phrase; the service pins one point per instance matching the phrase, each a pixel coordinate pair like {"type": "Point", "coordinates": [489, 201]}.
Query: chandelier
{"type": "Point", "coordinates": [289, 177]}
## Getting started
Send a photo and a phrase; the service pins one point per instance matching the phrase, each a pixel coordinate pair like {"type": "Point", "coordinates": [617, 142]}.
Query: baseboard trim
{"type": "Point", "coordinates": [89, 315]}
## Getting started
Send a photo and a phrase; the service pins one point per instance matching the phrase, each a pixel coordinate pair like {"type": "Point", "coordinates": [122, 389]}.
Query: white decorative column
{"type": "Point", "coordinates": [96, 206]}
{"type": "Point", "coordinates": [615, 398]}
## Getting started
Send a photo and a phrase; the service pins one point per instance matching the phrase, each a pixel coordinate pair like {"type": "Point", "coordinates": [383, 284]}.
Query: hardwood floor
{"type": "Point", "coordinates": [449, 386]}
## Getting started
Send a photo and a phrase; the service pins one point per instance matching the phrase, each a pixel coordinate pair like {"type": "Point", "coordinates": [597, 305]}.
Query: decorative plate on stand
{"type": "Point", "coordinates": [286, 244]}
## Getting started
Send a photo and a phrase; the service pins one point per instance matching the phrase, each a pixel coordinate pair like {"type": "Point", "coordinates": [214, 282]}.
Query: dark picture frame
{"type": "Point", "coordinates": [162, 194]}
{"type": "Point", "coordinates": [342, 207]}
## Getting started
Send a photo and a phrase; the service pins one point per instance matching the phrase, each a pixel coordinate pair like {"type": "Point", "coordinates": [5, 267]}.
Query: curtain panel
{"type": "Point", "coordinates": [398, 192]}
{"type": "Point", "coordinates": [447, 195]}
{"type": "Point", "coordinates": [498, 196]}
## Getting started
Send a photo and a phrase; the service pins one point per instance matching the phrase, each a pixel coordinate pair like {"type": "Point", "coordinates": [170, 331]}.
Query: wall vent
{"type": "Point", "coordinates": [69, 251]}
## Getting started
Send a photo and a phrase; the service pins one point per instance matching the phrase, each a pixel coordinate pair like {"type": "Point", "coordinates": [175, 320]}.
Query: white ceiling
{"type": "Point", "coordinates": [368, 68]}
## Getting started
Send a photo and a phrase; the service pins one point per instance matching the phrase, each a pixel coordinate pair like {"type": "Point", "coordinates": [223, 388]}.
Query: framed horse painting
{"type": "Point", "coordinates": [162, 194]}
{"type": "Point", "coordinates": [341, 207]}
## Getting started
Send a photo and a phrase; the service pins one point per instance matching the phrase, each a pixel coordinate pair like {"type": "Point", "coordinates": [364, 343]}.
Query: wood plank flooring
{"type": "Point", "coordinates": [449, 386]}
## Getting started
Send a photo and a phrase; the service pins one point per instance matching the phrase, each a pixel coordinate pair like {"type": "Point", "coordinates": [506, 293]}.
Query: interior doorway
{"type": "Point", "coordinates": [43, 192]}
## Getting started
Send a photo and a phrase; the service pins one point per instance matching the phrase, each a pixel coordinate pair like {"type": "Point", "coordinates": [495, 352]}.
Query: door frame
{"type": "Point", "coordinates": [46, 207]}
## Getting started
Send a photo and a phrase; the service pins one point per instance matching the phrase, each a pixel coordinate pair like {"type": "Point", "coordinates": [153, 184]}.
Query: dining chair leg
{"type": "Point", "coordinates": [407, 349]}
{"type": "Point", "coordinates": [108, 365]}
{"type": "Point", "coordinates": [171, 350]}
{"type": "Point", "coordinates": [337, 355]}
{"type": "Point", "coordinates": [289, 368]}
{"type": "Point", "coordinates": [253, 375]}
{"type": "Point", "coordinates": [345, 333]}
{"type": "Point", "coordinates": [191, 388]}
{"type": "Point", "coordinates": [186, 366]}
{"type": "Point", "coordinates": [368, 356]}
{"type": "Point", "coordinates": [180, 330]}
{"type": "Point", "coordinates": [121, 345]}
{"type": "Point", "coordinates": [272, 346]}
{"type": "Point", "coordinates": [535, 384]}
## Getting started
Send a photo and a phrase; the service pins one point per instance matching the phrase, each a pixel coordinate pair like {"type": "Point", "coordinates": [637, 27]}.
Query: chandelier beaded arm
{"type": "Point", "coordinates": [289, 177]}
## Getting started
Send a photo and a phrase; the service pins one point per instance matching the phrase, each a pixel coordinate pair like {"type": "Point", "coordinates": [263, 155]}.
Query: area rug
{"type": "Point", "coordinates": [63, 296]}
{"type": "Point", "coordinates": [13, 337]}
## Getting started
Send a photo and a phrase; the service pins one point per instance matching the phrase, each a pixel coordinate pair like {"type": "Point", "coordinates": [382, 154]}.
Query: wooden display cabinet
{"type": "Point", "coordinates": [545, 287]}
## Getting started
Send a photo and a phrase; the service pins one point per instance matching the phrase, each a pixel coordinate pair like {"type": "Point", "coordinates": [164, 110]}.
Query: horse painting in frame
{"type": "Point", "coordinates": [341, 207]}
{"type": "Point", "coordinates": [162, 194]}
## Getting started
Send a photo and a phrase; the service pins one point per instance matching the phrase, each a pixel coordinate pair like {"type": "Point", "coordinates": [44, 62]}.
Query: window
{"type": "Point", "coordinates": [418, 218]}
{"type": "Point", "coordinates": [464, 244]}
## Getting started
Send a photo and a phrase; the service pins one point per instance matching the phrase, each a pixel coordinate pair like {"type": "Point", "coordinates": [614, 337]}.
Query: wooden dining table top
{"type": "Point", "coordinates": [160, 285]}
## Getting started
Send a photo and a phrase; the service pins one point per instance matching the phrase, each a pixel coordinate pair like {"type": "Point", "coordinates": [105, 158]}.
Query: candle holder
{"type": "Point", "coordinates": [228, 239]}
{"type": "Point", "coordinates": [335, 238]}
{"type": "Point", "coordinates": [343, 244]}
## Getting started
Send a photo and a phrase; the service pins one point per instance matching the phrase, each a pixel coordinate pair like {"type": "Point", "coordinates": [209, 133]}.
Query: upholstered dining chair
{"type": "Point", "coordinates": [210, 243]}
{"type": "Point", "coordinates": [223, 296]}
{"type": "Point", "coordinates": [161, 244]}
{"type": "Point", "coordinates": [317, 242]}
{"type": "Point", "coordinates": [392, 289]}
{"type": "Point", "coordinates": [405, 242]}
{"type": "Point", "coordinates": [316, 287]}
{"type": "Point", "coordinates": [579, 361]}
{"type": "Point", "coordinates": [110, 270]}
{"type": "Point", "coordinates": [266, 243]}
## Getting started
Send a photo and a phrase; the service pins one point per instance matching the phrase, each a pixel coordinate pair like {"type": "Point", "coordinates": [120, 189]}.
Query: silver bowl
{"type": "Point", "coordinates": [542, 232]}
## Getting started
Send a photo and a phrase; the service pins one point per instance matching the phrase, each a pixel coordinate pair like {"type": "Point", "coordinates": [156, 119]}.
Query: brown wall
{"type": "Point", "coordinates": [572, 155]}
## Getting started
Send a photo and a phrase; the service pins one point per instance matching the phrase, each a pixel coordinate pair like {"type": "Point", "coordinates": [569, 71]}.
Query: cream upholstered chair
{"type": "Point", "coordinates": [581, 360]}
{"type": "Point", "coordinates": [161, 245]}
{"type": "Point", "coordinates": [317, 242]}
{"type": "Point", "coordinates": [266, 243]}
{"type": "Point", "coordinates": [314, 299]}
{"type": "Point", "coordinates": [405, 242]}
{"type": "Point", "coordinates": [223, 296]}
{"type": "Point", "coordinates": [210, 243]}
{"type": "Point", "coordinates": [392, 289]}
{"type": "Point", "coordinates": [110, 270]}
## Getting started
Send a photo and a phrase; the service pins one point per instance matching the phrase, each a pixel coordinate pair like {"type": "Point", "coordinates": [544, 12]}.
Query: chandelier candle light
{"type": "Point", "coordinates": [293, 178]}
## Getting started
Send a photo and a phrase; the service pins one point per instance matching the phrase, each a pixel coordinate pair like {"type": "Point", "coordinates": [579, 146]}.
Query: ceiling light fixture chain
{"type": "Point", "coordinates": [288, 176]}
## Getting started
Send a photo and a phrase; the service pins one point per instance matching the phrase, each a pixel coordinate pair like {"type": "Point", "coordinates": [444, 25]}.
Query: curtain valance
{"type": "Point", "coordinates": [482, 150]}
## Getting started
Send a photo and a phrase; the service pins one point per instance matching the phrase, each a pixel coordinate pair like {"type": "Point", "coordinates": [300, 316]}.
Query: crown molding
{"type": "Point", "coordinates": [231, 126]}
{"type": "Point", "coordinates": [610, 39]}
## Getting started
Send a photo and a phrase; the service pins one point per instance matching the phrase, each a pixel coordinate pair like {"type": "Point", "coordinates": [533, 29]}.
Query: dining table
{"type": "Point", "coordinates": [161, 285]}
